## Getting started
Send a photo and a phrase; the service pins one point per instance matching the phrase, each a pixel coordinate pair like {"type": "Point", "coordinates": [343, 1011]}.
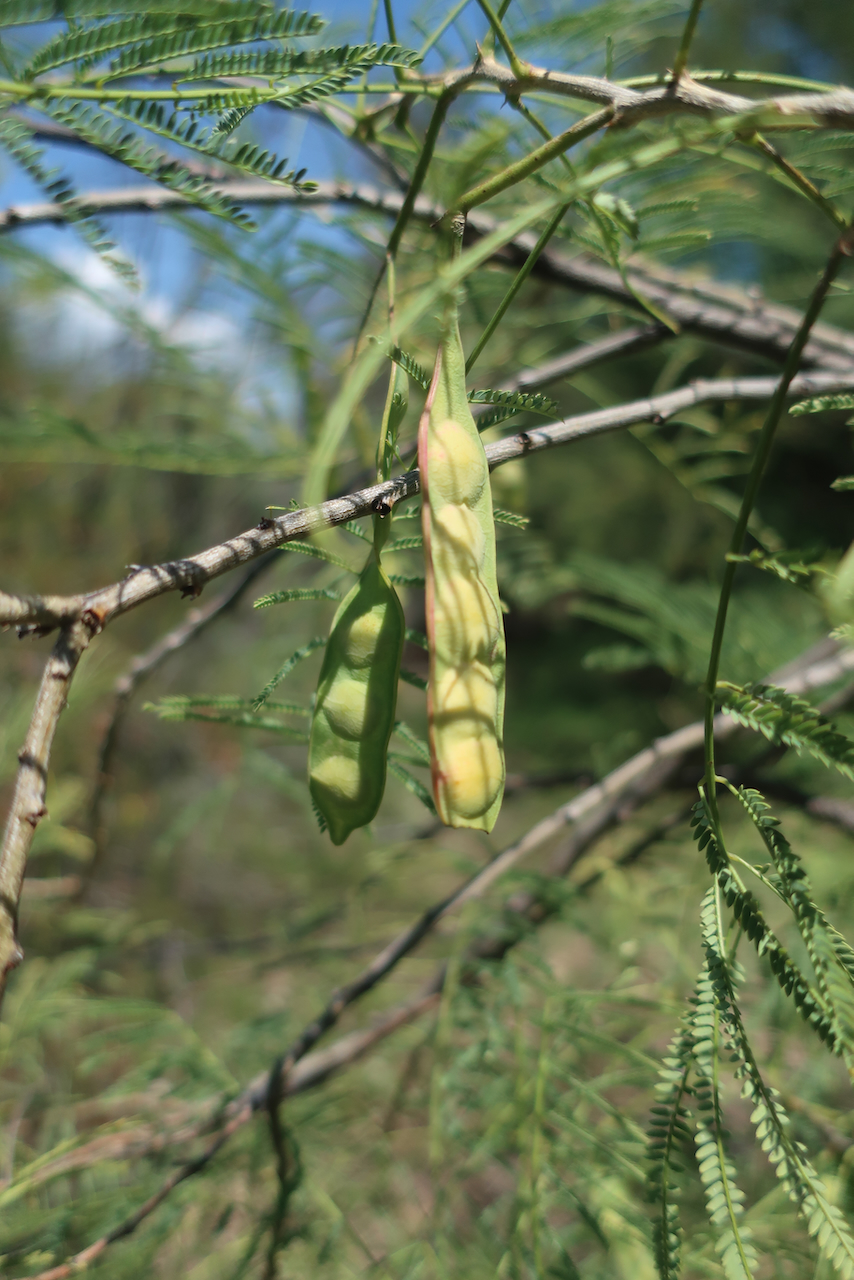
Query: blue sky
{"type": "Point", "coordinates": [167, 264]}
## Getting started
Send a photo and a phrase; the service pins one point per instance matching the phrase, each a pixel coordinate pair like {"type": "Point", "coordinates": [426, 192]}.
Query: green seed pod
{"type": "Point", "coordinates": [465, 694]}
{"type": "Point", "coordinates": [356, 699]}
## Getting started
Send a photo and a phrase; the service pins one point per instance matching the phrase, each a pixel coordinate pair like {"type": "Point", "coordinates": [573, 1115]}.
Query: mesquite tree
{"type": "Point", "coordinates": [515, 175]}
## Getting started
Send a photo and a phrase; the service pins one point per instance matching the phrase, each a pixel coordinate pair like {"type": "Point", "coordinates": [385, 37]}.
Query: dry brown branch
{"type": "Point", "coordinates": [831, 109]}
{"type": "Point", "coordinates": [719, 313]}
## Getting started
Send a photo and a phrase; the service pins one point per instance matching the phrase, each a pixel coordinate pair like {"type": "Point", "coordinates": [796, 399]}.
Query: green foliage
{"type": "Point", "coordinates": [296, 593]}
{"type": "Point", "coordinates": [284, 62]}
{"type": "Point", "coordinates": [784, 566]}
{"type": "Point", "coordinates": [519, 401]}
{"type": "Point", "coordinates": [117, 142]}
{"type": "Point", "coordinates": [317, 553]}
{"type": "Point", "coordinates": [286, 668]}
{"type": "Point", "coordinates": [170, 969]}
{"type": "Point", "coordinates": [751, 919]}
{"type": "Point", "coordinates": [229, 710]}
{"type": "Point", "coordinates": [820, 404]}
{"type": "Point", "coordinates": [410, 366]}
{"type": "Point", "coordinates": [786, 719]}
{"type": "Point", "coordinates": [412, 784]}
{"type": "Point", "coordinates": [147, 39]}
{"type": "Point", "coordinates": [17, 140]}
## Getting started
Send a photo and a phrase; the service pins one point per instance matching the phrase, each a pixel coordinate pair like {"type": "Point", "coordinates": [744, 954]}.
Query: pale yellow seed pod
{"type": "Point", "coordinates": [467, 623]}
{"type": "Point", "coordinates": [465, 693]}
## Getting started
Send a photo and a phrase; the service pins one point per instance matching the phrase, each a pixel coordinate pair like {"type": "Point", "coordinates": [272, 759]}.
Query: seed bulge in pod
{"type": "Point", "coordinates": [463, 536]}
{"type": "Point", "coordinates": [466, 622]}
{"type": "Point", "coordinates": [474, 773]}
{"type": "Point", "coordinates": [455, 469]}
{"type": "Point", "coordinates": [365, 641]}
{"type": "Point", "coordinates": [340, 776]}
{"type": "Point", "coordinates": [349, 707]}
{"type": "Point", "coordinates": [468, 692]}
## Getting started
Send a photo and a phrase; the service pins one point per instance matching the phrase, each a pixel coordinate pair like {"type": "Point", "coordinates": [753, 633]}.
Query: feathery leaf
{"type": "Point", "coordinates": [786, 719]}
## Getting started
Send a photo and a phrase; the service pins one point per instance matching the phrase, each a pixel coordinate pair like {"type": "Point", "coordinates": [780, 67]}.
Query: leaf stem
{"type": "Point", "coordinates": [417, 181]}
{"type": "Point", "coordinates": [521, 276]}
{"type": "Point", "coordinates": [841, 250]}
{"type": "Point", "coordinates": [439, 31]}
{"type": "Point", "coordinates": [801, 181]}
{"type": "Point", "coordinates": [389, 18]}
{"type": "Point", "coordinates": [529, 164]}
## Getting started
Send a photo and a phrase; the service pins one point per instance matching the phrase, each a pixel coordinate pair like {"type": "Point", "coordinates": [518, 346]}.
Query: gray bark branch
{"type": "Point", "coordinates": [146, 582]}
{"type": "Point", "coordinates": [718, 313]}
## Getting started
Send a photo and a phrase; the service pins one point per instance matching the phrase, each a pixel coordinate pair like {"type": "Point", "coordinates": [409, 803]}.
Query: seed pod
{"type": "Point", "coordinates": [465, 694]}
{"type": "Point", "coordinates": [356, 699]}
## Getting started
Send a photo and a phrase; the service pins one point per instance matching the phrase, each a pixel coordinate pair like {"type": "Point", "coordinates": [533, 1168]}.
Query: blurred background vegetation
{"type": "Point", "coordinates": [503, 1134]}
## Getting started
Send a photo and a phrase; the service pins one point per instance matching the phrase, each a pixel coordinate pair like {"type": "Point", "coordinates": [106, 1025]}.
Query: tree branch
{"type": "Point", "coordinates": [831, 109]}
{"type": "Point", "coordinates": [38, 614]}
{"type": "Point", "coordinates": [719, 313]}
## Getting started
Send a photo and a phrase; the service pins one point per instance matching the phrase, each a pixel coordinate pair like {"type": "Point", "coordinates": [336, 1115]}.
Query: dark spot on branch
{"type": "Point", "coordinates": [34, 630]}
{"type": "Point", "coordinates": [30, 762]}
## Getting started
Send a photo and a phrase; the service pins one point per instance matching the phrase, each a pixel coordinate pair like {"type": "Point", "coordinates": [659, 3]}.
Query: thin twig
{"type": "Point", "coordinates": [625, 342]}
{"type": "Point", "coordinates": [841, 250]}
{"type": "Point", "coordinates": [685, 45]}
{"type": "Point", "coordinates": [28, 802]}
